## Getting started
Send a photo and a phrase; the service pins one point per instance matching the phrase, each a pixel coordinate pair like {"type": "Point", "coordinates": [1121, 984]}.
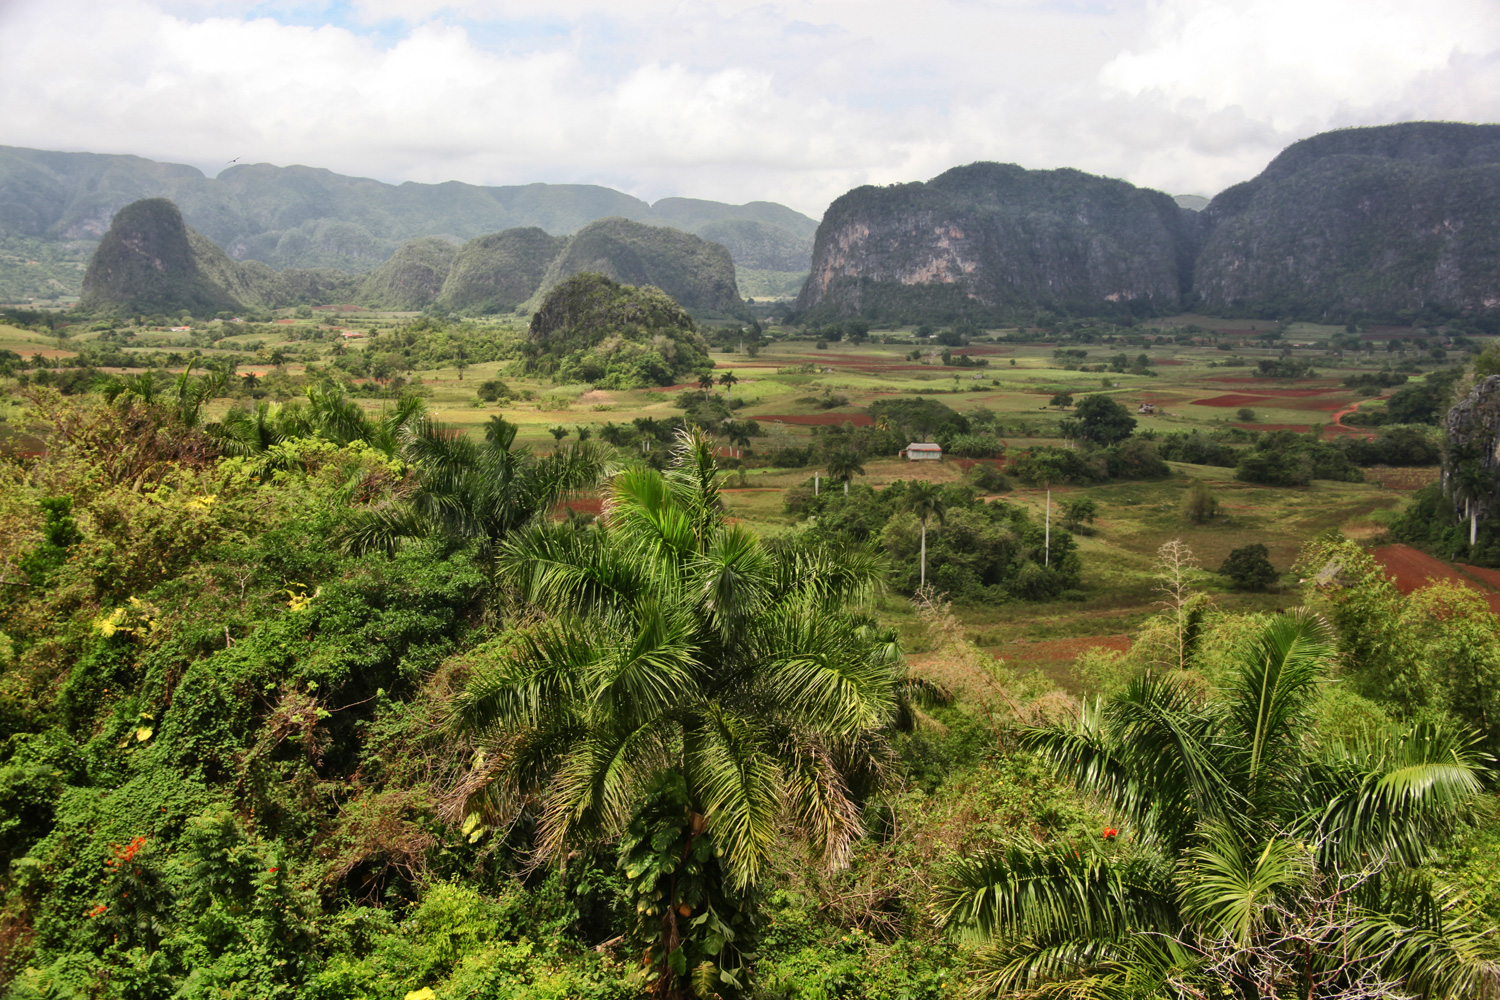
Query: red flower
{"type": "Point", "coordinates": [273, 870]}
{"type": "Point", "coordinates": [1110, 833]}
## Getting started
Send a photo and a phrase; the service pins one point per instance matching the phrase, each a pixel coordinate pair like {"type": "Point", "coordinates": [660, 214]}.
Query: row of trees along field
{"type": "Point", "coordinates": [316, 703]}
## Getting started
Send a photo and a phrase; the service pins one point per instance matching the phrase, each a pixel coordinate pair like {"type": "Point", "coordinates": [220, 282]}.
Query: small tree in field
{"type": "Point", "coordinates": [1200, 506]}
{"type": "Point", "coordinates": [1078, 512]}
{"type": "Point", "coordinates": [1249, 567]}
{"type": "Point", "coordinates": [1062, 401]}
{"type": "Point", "coordinates": [1245, 414]}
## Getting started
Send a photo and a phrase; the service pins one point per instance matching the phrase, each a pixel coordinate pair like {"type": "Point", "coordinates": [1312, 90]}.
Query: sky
{"type": "Point", "coordinates": [793, 101]}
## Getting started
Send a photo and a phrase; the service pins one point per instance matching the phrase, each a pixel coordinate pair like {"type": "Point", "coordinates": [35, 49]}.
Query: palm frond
{"type": "Point", "coordinates": [1052, 896]}
{"type": "Point", "coordinates": [1233, 890]}
{"type": "Point", "coordinates": [819, 801]}
{"type": "Point", "coordinates": [380, 529]}
{"type": "Point", "coordinates": [1279, 670]}
{"type": "Point", "coordinates": [1429, 937]}
{"type": "Point", "coordinates": [647, 673]}
{"type": "Point", "coordinates": [543, 676]}
{"type": "Point", "coordinates": [594, 791]}
{"type": "Point", "coordinates": [739, 785]}
{"type": "Point", "coordinates": [1392, 794]}
{"type": "Point", "coordinates": [813, 666]}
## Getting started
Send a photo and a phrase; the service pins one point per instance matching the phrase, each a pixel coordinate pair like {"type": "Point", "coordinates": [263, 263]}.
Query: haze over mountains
{"type": "Point", "coordinates": [304, 217]}
{"type": "Point", "coordinates": [150, 261]}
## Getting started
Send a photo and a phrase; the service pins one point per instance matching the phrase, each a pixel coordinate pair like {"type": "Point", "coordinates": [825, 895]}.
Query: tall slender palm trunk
{"type": "Point", "coordinates": [924, 552]}
{"type": "Point", "coordinates": [1047, 546]}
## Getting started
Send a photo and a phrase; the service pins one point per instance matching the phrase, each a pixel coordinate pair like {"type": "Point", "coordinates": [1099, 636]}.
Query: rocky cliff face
{"type": "Point", "coordinates": [997, 236]}
{"type": "Point", "coordinates": [1374, 220]}
{"type": "Point", "coordinates": [1380, 222]}
{"type": "Point", "coordinates": [147, 263]}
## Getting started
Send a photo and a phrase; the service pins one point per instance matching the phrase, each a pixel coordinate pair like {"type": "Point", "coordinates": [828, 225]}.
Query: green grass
{"type": "Point", "coordinates": [1136, 518]}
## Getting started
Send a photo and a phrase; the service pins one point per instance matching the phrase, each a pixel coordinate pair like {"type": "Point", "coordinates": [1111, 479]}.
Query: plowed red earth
{"type": "Point", "coordinates": [1299, 428]}
{"type": "Point", "coordinates": [1489, 576]}
{"type": "Point", "coordinates": [1411, 569]}
{"type": "Point", "coordinates": [1233, 399]}
{"type": "Point", "coordinates": [1243, 379]}
{"type": "Point", "coordinates": [1274, 402]}
{"type": "Point", "coordinates": [821, 419]}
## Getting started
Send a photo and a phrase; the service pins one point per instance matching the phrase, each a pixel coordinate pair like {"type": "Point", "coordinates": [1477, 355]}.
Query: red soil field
{"type": "Point", "coordinates": [820, 419]}
{"type": "Point", "coordinates": [1291, 393]}
{"type": "Point", "coordinates": [1233, 399]}
{"type": "Point", "coordinates": [1411, 569]}
{"type": "Point", "coordinates": [1299, 428]}
{"type": "Point", "coordinates": [1326, 405]}
{"type": "Point", "coordinates": [1243, 379]}
{"type": "Point", "coordinates": [1489, 576]}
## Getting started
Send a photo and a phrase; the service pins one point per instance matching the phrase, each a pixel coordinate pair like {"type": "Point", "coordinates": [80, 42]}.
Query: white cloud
{"type": "Point", "coordinates": [1289, 62]}
{"type": "Point", "coordinates": [787, 100]}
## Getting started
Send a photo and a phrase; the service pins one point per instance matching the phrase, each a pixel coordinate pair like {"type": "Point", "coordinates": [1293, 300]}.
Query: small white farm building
{"type": "Point", "coordinates": [923, 452]}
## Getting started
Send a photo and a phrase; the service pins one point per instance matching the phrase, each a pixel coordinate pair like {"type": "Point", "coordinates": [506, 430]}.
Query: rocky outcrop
{"type": "Point", "coordinates": [498, 272]}
{"type": "Point", "coordinates": [1375, 221]}
{"type": "Point", "coordinates": [149, 262]}
{"type": "Point", "coordinates": [695, 272]}
{"type": "Point", "coordinates": [995, 236]}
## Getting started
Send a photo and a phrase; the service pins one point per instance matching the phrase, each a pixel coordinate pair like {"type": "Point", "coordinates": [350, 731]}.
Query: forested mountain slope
{"type": "Point", "coordinates": [150, 261]}
{"type": "Point", "coordinates": [308, 217]}
{"type": "Point", "coordinates": [1374, 221]}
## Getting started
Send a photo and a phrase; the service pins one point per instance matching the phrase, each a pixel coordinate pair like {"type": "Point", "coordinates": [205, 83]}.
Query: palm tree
{"type": "Point", "coordinates": [728, 381]}
{"type": "Point", "coordinates": [1048, 469]}
{"type": "Point", "coordinates": [926, 500]}
{"type": "Point", "coordinates": [692, 691]}
{"type": "Point", "coordinates": [1472, 484]}
{"type": "Point", "coordinates": [1252, 862]}
{"type": "Point", "coordinates": [844, 465]}
{"type": "Point", "coordinates": [470, 492]}
{"type": "Point", "coordinates": [738, 432]}
{"type": "Point", "coordinates": [706, 383]}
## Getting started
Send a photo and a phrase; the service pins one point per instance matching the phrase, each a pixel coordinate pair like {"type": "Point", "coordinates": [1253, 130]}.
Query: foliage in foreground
{"type": "Point", "coordinates": [1244, 862]}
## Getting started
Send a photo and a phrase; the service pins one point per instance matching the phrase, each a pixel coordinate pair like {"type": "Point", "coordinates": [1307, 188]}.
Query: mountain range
{"type": "Point", "coordinates": [1388, 221]}
{"type": "Point", "coordinates": [150, 261]}
{"type": "Point", "coordinates": [55, 206]}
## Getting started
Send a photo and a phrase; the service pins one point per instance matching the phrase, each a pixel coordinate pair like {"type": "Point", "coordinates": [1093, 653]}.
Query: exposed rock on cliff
{"type": "Point", "coordinates": [990, 236]}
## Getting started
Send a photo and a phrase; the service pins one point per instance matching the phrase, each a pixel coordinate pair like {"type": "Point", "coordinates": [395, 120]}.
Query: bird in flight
{"type": "Point", "coordinates": [238, 158]}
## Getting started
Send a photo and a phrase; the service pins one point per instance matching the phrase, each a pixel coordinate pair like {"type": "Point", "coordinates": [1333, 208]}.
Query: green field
{"type": "Point", "coordinates": [779, 392]}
